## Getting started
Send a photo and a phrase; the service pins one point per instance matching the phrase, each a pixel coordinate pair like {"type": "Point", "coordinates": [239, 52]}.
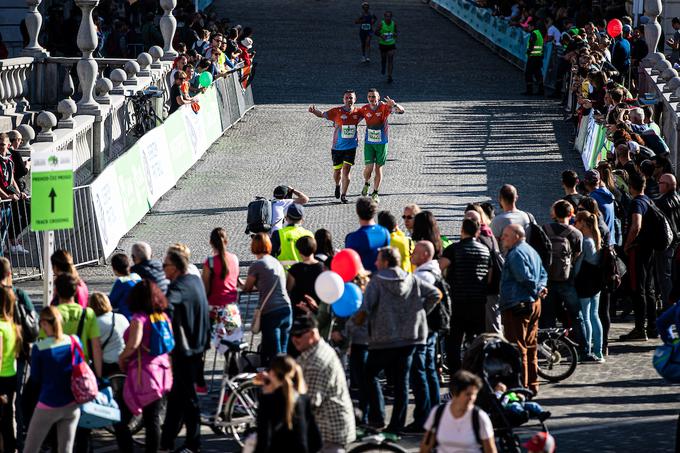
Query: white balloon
{"type": "Point", "coordinates": [329, 287]}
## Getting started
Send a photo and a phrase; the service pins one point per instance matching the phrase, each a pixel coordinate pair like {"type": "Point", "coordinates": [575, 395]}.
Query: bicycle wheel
{"type": "Point", "coordinates": [370, 447]}
{"type": "Point", "coordinates": [240, 411]}
{"type": "Point", "coordinates": [557, 359]}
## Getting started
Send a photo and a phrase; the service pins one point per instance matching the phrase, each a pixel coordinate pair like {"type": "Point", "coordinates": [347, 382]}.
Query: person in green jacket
{"type": "Point", "coordinates": [534, 68]}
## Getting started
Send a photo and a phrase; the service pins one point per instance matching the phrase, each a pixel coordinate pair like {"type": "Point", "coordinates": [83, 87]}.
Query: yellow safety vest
{"type": "Point", "coordinates": [537, 49]}
{"type": "Point", "coordinates": [288, 236]}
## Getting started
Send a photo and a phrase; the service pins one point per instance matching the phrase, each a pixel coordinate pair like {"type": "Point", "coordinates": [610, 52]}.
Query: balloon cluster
{"type": "Point", "coordinates": [335, 287]}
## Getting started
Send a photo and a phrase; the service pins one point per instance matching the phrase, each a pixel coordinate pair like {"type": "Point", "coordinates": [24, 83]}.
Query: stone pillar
{"type": "Point", "coordinates": [66, 108]}
{"type": "Point", "coordinates": [652, 33]}
{"type": "Point", "coordinates": [156, 54]}
{"type": "Point", "coordinates": [87, 66]}
{"type": "Point", "coordinates": [33, 24]}
{"type": "Point", "coordinates": [47, 121]}
{"type": "Point", "coordinates": [144, 60]}
{"type": "Point", "coordinates": [118, 77]}
{"type": "Point", "coordinates": [168, 27]}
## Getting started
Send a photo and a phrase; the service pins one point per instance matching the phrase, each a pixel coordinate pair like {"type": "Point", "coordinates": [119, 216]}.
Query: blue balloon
{"type": "Point", "coordinates": [349, 302]}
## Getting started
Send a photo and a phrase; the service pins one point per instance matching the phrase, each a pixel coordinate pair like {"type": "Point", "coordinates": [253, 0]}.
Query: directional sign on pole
{"type": "Point", "coordinates": [52, 190]}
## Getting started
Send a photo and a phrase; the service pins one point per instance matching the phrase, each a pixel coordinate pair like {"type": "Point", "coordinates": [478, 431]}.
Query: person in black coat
{"type": "Point", "coordinates": [284, 416]}
{"type": "Point", "coordinates": [147, 268]}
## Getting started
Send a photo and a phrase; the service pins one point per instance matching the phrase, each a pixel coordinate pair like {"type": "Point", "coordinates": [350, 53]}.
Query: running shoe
{"type": "Point", "coordinates": [375, 196]}
{"type": "Point", "coordinates": [344, 199]}
{"type": "Point", "coordinates": [337, 191]}
{"type": "Point", "coordinates": [364, 191]}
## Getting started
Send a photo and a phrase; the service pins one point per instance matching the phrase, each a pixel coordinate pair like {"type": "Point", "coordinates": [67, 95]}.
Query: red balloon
{"type": "Point", "coordinates": [614, 28]}
{"type": "Point", "coordinates": [347, 264]}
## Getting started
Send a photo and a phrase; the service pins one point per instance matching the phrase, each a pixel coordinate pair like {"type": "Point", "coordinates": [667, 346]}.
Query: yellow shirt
{"type": "Point", "coordinates": [8, 366]}
{"type": "Point", "coordinates": [399, 241]}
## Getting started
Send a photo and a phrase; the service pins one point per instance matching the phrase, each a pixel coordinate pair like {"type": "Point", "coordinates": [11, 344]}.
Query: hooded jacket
{"type": "Point", "coordinates": [605, 201]}
{"type": "Point", "coordinates": [396, 303]}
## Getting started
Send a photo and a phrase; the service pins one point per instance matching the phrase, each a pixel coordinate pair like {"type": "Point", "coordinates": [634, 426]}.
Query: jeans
{"type": "Point", "coordinates": [399, 359]}
{"type": "Point", "coordinates": [183, 406]}
{"type": "Point", "coordinates": [559, 292]}
{"type": "Point", "coordinates": [523, 332]}
{"type": "Point", "coordinates": [424, 380]}
{"type": "Point", "coordinates": [152, 427]}
{"type": "Point", "coordinates": [640, 270]}
{"type": "Point", "coordinates": [591, 318]}
{"type": "Point", "coordinates": [358, 356]}
{"type": "Point", "coordinates": [275, 331]}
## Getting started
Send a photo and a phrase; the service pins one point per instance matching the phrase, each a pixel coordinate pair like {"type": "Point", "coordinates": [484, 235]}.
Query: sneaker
{"type": "Point", "coordinates": [201, 390]}
{"type": "Point", "coordinates": [634, 335]}
{"type": "Point", "coordinates": [337, 191]}
{"type": "Point", "coordinates": [592, 358]}
{"type": "Point", "coordinates": [375, 196]}
{"type": "Point", "coordinates": [368, 60]}
{"type": "Point", "coordinates": [412, 429]}
{"type": "Point", "coordinates": [364, 191]}
{"type": "Point", "coordinates": [18, 249]}
{"type": "Point", "coordinates": [344, 199]}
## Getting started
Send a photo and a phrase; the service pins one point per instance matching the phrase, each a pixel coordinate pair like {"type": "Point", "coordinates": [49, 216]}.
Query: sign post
{"type": "Point", "coordinates": [51, 203]}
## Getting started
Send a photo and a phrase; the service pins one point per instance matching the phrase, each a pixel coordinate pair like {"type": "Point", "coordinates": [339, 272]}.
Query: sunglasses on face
{"type": "Point", "coordinates": [407, 217]}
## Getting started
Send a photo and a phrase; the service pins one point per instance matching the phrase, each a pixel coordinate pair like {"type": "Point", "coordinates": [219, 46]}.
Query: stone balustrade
{"type": "Point", "coordinates": [13, 84]}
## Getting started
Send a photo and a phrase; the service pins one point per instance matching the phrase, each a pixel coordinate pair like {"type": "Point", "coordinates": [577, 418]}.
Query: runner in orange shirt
{"type": "Point", "coordinates": [376, 113]}
{"type": "Point", "coordinates": [343, 152]}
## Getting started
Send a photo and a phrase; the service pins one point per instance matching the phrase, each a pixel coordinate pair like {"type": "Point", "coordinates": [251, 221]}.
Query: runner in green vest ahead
{"type": "Point", "coordinates": [387, 34]}
{"type": "Point", "coordinates": [534, 67]}
{"type": "Point", "coordinates": [283, 241]}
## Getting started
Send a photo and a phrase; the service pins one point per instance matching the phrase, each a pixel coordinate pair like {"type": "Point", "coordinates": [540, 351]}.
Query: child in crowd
{"type": "Point", "coordinates": [121, 288]}
{"type": "Point", "coordinates": [515, 404]}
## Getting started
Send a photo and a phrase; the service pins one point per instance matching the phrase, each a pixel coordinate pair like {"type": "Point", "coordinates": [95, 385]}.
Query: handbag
{"type": "Point", "coordinates": [101, 412]}
{"type": "Point", "coordinates": [83, 380]}
{"type": "Point", "coordinates": [256, 326]}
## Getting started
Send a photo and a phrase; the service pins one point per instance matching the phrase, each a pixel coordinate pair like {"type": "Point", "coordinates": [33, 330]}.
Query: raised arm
{"type": "Point", "coordinates": [314, 111]}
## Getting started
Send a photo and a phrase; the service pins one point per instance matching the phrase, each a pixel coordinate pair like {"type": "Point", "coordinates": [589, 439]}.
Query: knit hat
{"type": "Point", "coordinates": [592, 177]}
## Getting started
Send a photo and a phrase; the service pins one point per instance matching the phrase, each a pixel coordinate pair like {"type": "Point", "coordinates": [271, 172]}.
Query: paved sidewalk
{"type": "Point", "coordinates": [466, 131]}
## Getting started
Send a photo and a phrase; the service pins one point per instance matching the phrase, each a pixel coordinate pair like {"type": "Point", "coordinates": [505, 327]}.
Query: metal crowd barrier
{"type": "Point", "coordinates": [23, 247]}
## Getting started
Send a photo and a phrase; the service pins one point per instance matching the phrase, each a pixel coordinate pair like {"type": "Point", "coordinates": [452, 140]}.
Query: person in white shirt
{"type": "Point", "coordinates": [454, 432]}
{"type": "Point", "coordinates": [284, 196]}
{"type": "Point", "coordinates": [554, 33]}
{"type": "Point", "coordinates": [112, 327]}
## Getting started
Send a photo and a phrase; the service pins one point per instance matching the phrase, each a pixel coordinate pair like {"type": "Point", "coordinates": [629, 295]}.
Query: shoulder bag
{"type": "Point", "coordinates": [256, 327]}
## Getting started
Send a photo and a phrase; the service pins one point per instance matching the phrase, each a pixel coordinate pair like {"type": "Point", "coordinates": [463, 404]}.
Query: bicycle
{"type": "Point", "coordinates": [142, 117]}
{"type": "Point", "coordinates": [557, 356]}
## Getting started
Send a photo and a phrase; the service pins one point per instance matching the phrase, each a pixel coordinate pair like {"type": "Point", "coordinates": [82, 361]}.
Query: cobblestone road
{"type": "Point", "coordinates": [465, 132]}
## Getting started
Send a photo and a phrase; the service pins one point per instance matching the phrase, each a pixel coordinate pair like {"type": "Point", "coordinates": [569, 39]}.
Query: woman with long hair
{"type": "Point", "coordinates": [284, 415]}
{"type": "Point", "coordinates": [62, 263]}
{"type": "Point", "coordinates": [147, 304]}
{"type": "Point", "coordinates": [425, 228]}
{"type": "Point", "coordinates": [51, 368]}
{"type": "Point", "coordinates": [268, 276]}
{"type": "Point", "coordinates": [10, 347]}
{"type": "Point", "coordinates": [324, 247]}
{"type": "Point", "coordinates": [587, 261]}
{"type": "Point", "coordinates": [112, 327]}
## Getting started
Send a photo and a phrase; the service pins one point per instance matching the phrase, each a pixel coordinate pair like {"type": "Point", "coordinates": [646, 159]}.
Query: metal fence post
{"type": "Point", "coordinates": [48, 249]}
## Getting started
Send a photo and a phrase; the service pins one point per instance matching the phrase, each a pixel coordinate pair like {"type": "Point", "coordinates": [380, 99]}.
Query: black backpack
{"type": "Point", "coordinates": [613, 268]}
{"type": "Point", "coordinates": [437, 419]}
{"type": "Point", "coordinates": [259, 218]}
{"type": "Point", "coordinates": [656, 230]}
{"type": "Point", "coordinates": [439, 319]}
{"type": "Point", "coordinates": [539, 240]}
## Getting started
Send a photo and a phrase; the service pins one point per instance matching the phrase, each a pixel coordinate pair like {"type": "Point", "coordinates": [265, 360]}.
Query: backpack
{"type": "Point", "coordinates": [656, 230]}
{"type": "Point", "coordinates": [560, 263]}
{"type": "Point", "coordinates": [161, 340]}
{"type": "Point", "coordinates": [259, 218]}
{"type": "Point", "coordinates": [437, 419]}
{"type": "Point", "coordinates": [28, 320]}
{"type": "Point", "coordinates": [439, 319]}
{"type": "Point", "coordinates": [539, 240]}
{"type": "Point", "coordinates": [666, 361]}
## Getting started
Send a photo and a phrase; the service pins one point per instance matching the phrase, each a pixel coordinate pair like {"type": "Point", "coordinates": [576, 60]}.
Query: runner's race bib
{"type": "Point", "coordinates": [387, 36]}
{"type": "Point", "coordinates": [348, 131]}
{"type": "Point", "coordinates": [366, 26]}
{"type": "Point", "coordinates": [374, 135]}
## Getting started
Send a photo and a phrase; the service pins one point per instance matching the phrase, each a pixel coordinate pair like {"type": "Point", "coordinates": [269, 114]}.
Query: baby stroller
{"type": "Point", "coordinates": [495, 360]}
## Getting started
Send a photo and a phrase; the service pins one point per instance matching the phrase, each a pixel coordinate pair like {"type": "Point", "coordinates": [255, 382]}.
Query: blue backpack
{"type": "Point", "coordinates": [161, 341]}
{"type": "Point", "coordinates": [666, 360]}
